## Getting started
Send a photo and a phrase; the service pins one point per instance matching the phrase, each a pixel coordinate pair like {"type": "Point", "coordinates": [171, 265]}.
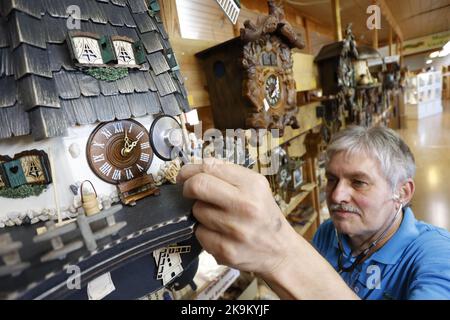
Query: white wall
{"type": "Point", "coordinates": [418, 61]}
{"type": "Point", "coordinates": [68, 170]}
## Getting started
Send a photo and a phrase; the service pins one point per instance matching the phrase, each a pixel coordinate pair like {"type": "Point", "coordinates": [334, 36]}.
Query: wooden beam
{"type": "Point", "coordinates": [375, 38]}
{"type": "Point", "coordinates": [390, 40]}
{"type": "Point", "coordinates": [397, 46]}
{"type": "Point", "coordinates": [389, 17]}
{"type": "Point", "coordinates": [335, 10]}
{"type": "Point", "coordinates": [401, 53]}
{"type": "Point", "coordinates": [169, 16]}
{"type": "Point", "coordinates": [307, 35]}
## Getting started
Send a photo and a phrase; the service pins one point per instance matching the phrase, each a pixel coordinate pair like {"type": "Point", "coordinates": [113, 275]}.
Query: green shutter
{"type": "Point", "coordinates": [107, 49]}
{"type": "Point", "coordinates": [14, 173]}
{"type": "Point", "coordinates": [154, 6]}
{"type": "Point", "coordinates": [172, 60]}
{"type": "Point", "coordinates": [139, 52]}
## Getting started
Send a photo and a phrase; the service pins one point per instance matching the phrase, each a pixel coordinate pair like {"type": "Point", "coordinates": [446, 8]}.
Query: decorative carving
{"type": "Point", "coordinates": [267, 60]}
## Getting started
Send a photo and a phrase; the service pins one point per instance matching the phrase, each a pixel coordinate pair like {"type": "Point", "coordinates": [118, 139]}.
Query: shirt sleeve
{"type": "Point", "coordinates": [431, 276]}
{"type": "Point", "coordinates": [321, 239]}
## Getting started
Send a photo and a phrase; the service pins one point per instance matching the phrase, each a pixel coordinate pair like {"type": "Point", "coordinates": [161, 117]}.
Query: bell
{"type": "Point", "coordinates": [89, 200]}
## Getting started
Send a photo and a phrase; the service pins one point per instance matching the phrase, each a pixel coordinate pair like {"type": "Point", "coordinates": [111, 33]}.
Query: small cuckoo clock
{"type": "Point", "coordinates": [250, 78]}
{"type": "Point", "coordinates": [338, 82]}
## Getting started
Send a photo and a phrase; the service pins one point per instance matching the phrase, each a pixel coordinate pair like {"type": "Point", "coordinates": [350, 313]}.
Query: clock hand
{"type": "Point", "coordinates": [276, 89]}
{"type": "Point", "coordinates": [131, 147]}
{"type": "Point", "coordinates": [126, 146]}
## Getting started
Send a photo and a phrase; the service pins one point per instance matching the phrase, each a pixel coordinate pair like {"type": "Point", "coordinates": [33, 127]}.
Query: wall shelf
{"type": "Point", "coordinates": [302, 229]}
{"type": "Point", "coordinates": [295, 201]}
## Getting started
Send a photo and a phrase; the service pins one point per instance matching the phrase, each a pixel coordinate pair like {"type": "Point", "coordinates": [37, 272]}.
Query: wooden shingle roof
{"type": "Point", "coordinates": [42, 92]}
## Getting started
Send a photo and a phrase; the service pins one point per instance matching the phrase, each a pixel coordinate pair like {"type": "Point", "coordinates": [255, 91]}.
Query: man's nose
{"type": "Point", "coordinates": [341, 193]}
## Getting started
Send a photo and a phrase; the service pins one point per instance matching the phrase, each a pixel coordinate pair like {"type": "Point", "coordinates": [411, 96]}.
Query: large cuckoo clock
{"type": "Point", "coordinates": [250, 78]}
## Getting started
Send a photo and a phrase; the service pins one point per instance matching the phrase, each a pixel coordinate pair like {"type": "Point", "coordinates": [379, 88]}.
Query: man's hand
{"type": "Point", "coordinates": [240, 222]}
{"type": "Point", "coordinates": [241, 226]}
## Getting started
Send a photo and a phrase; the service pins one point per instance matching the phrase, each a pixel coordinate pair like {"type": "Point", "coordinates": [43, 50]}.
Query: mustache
{"type": "Point", "coordinates": [344, 207]}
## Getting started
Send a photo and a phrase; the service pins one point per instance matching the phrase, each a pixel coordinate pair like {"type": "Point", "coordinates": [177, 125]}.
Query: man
{"type": "Point", "coordinates": [371, 248]}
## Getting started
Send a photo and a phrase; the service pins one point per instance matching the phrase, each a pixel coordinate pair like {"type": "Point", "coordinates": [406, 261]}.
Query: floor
{"type": "Point", "coordinates": [429, 140]}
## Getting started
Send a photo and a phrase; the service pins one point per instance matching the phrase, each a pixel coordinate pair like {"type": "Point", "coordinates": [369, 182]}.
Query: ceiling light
{"type": "Point", "coordinates": [434, 54]}
{"type": "Point", "coordinates": [443, 53]}
{"type": "Point", "coordinates": [429, 61]}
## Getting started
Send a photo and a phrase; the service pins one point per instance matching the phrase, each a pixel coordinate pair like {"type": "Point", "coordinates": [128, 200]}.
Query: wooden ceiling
{"type": "Point", "coordinates": [416, 18]}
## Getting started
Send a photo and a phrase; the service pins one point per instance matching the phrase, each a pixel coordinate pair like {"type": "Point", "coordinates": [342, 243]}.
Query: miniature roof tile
{"type": "Point", "coordinates": [164, 83]}
{"type": "Point", "coordinates": [6, 64]}
{"type": "Point", "coordinates": [31, 60]}
{"type": "Point", "coordinates": [42, 91]}
{"type": "Point", "coordinates": [158, 62]}
{"type": "Point", "coordinates": [144, 22]}
{"type": "Point", "coordinates": [4, 36]}
{"type": "Point", "coordinates": [138, 6]}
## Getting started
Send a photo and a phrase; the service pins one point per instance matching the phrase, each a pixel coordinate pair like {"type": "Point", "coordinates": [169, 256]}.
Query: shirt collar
{"type": "Point", "coordinates": [394, 248]}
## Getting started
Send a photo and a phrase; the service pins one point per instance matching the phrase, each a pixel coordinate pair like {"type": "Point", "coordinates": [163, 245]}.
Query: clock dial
{"type": "Point", "coordinates": [272, 90]}
{"type": "Point", "coordinates": [119, 151]}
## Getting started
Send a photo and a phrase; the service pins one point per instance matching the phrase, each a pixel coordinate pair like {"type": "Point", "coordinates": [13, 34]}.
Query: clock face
{"type": "Point", "coordinates": [119, 151]}
{"type": "Point", "coordinates": [272, 90]}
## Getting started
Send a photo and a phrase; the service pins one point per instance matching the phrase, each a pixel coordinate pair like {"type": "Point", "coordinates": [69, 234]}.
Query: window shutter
{"type": "Point", "coordinates": [139, 53]}
{"type": "Point", "coordinates": [172, 60]}
{"type": "Point", "coordinates": [107, 50]}
{"type": "Point", "coordinates": [154, 6]}
{"type": "Point", "coordinates": [14, 173]}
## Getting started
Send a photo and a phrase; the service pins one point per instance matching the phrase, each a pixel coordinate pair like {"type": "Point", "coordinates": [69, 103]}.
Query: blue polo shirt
{"type": "Point", "coordinates": [413, 264]}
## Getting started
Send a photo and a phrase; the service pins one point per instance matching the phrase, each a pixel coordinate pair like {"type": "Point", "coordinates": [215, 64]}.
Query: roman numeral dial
{"type": "Point", "coordinates": [119, 151]}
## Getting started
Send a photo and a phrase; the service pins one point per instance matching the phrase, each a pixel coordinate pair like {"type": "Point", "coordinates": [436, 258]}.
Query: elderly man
{"type": "Point", "coordinates": [371, 248]}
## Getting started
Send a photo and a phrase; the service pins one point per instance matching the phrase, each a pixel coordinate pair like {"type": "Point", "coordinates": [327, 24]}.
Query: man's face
{"type": "Point", "coordinates": [356, 183]}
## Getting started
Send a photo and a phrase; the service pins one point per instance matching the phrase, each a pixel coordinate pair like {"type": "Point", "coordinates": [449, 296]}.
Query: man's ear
{"type": "Point", "coordinates": [406, 191]}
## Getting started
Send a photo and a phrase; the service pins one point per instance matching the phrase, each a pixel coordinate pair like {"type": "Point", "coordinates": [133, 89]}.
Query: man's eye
{"type": "Point", "coordinates": [359, 183]}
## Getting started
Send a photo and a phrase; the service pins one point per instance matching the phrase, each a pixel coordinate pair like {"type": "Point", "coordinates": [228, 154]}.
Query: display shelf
{"type": "Point", "coordinates": [423, 95]}
{"type": "Point", "coordinates": [308, 187]}
{"type": "Point", "coordinates": [295, 201]}
{"type": "Point", "coordinates": [307, 120]}
{"type": "Point", "coordinates": [302, 229]}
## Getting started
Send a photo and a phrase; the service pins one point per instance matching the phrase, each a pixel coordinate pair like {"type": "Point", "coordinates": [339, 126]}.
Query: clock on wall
{"type": "Point", "coordinates": [250, 78]}
{"type": "Point", "coordinates": [119, 151]}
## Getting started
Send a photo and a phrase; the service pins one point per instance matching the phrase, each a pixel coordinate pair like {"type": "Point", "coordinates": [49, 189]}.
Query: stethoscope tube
{"type": "Point", "coordinates": [363, 254]}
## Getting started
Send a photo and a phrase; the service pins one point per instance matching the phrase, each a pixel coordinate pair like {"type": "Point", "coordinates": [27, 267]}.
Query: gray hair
{"type": "Point", "coordinates": [385, 145]}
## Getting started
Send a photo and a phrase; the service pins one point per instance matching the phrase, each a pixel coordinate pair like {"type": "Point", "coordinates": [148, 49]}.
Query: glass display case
{"type": "Point", "coordinates": [423, 94]}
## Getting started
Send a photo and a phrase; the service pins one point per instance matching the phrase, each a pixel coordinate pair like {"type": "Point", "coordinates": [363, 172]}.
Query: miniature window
{"type": "Point", "coordinates": [87, 50]}
{"type": "Point", "coordinates": [124, 52]}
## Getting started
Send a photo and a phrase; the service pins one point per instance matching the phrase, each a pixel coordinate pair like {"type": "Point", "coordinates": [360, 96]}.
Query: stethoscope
{"type": "Point", "coordinates": [363, 254]}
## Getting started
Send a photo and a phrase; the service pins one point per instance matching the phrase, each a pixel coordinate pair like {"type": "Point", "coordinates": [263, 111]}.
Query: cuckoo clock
{"type": "Point", "coordinates": [250, 78]}
{"type": "Point", "coordinates": [337, 80]}
{"type": "Point", "coordinates": [119, 152]}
